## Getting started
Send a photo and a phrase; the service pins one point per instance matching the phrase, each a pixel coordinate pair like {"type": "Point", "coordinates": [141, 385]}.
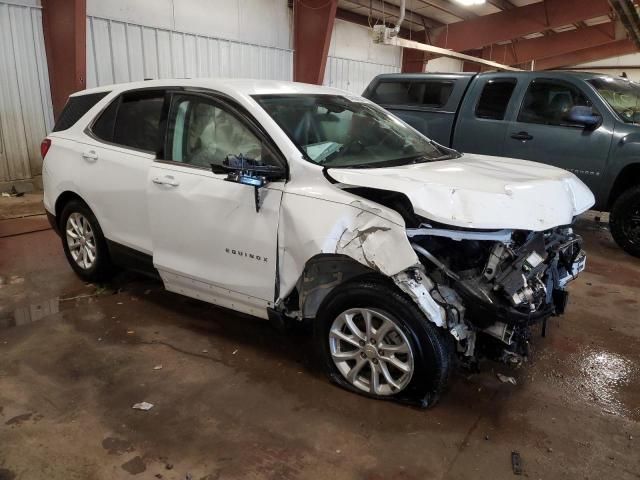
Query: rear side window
{"type": "Point", "coordinates": [495, 98]}
{"type": "Point", "coordinates": [75, 108]}
{"type": "Point", "coordinates": [133, 120]}
{"type": "Point", "coordinates": [432, 94]}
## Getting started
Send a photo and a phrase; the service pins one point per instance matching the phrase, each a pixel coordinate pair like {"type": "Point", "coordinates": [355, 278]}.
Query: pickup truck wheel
{"type": "Point", "coordinates": [376, 342]}
{"type": "Point", "coordinates": [624, 221]}
{"type": "Point", "coordinates": [83, 242]}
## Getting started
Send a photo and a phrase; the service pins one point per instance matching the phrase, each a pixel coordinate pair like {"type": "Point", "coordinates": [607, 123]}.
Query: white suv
{"type": "Point", "coordinates": [289, 202]}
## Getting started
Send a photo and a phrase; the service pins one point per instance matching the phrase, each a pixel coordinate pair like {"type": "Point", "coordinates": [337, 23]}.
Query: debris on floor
{"type": "Point", "coordinates": [158, 367]}
{"type": "Point", "coordinates": [143, 406]}
{"type": "Point", "coordinates": [506, 379]}
{"type": "Point", "coordinates": [516, 463]}
{"type": "Point", "coordinates": [13, 193]}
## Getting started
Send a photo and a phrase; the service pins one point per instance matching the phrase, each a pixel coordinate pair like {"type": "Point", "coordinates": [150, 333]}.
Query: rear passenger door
{"type": "Point", "coordinates": [119, 148]}
{"type": "Point", "coordinates": [482, 121]}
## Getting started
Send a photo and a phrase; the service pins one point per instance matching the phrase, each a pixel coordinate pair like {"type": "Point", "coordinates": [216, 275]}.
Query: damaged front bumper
{"type": "Point", "coordinates": [488, 288]}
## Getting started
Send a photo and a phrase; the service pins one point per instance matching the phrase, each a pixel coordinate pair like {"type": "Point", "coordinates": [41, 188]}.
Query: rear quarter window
{"type": "Point", "coordinates": [75, 109]}
{"type": "Point", "coordinates": [431, 93]}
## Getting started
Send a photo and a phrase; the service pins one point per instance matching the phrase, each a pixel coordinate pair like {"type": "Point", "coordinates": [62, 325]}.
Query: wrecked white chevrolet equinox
{"type": "Point", "coordinates": [292, 202]}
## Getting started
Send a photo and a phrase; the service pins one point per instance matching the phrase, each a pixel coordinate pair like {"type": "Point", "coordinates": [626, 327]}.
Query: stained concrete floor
{"type": "Point", "coordinates": [235, 399]}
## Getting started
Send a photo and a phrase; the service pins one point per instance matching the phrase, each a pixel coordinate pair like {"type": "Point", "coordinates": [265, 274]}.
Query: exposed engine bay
{"type": "Point", "coordinates": [495, 285]}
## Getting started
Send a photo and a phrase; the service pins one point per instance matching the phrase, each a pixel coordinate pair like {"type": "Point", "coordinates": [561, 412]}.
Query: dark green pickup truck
{"type": "Point", "coordinates": [586, 123]}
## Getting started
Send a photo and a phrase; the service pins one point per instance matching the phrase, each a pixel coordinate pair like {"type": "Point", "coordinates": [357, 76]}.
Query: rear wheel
{"type": "Point", "coordinates": [624, 221]}
{"type": "Point", "coordinates": [83, 242]}
{"type": "Point", "coordinates": [376, 342]}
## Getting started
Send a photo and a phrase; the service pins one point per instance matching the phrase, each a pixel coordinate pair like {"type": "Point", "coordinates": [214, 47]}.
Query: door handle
{"type": "Point", "coordinates": [90, 155]}
{"type": "Point", "coordinates": [166, 180]}
{"type": "Point", "coordinates": [522, 136]}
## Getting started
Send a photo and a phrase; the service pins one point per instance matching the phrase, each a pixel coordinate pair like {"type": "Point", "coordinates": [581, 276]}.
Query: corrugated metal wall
{"type": "Point", "coordinates": [353, 75]}
{"type": "Point", "coordinates": [121, 52]}
{"type": "Point", "coordinates": [26, 114]}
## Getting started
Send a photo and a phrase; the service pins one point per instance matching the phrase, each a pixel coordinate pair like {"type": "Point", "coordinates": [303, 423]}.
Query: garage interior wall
{"type": "Point", "coordinates": [354, 59]}
{"type": "Point", "coordinates": [629, 64]}
{"type": "Point", "coordinates": [444, 64]}
{"type": "Point", "coordinates": [243, 39]}
{"type": "Point", "coordinates": [26, 113]}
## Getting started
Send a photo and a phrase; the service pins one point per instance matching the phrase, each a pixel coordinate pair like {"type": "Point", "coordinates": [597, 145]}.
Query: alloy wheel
{"type": "Point", "coordinates": [371, 351]}
{"type": "Point", "coordinates": [81, 240]}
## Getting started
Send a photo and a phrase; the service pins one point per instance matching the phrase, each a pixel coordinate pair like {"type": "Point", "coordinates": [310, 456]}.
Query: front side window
{"type": "Point", "coordinates": [622, 95]}
{"type": "Point", "coordinates": [203, 134]}
{"type": "Point", "coordinates": [133, 120]}
{"type": "Point", "coordinates": [340, 131]}
{"type": "Point", "coordinates": [431, 94]}
{"type": "Point", "coordinates": [495, 98]}
{"type": "Point", "coordinates": [549, 102]}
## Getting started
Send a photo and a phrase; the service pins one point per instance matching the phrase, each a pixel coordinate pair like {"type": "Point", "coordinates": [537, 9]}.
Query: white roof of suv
{"type": "Point", "coordinates": [239, 86]}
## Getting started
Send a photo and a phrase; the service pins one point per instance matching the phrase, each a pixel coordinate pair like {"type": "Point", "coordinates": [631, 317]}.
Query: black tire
{"type": "Point", "coordinates": [432, 347]}
{"type": "Point", "coordinates": [624, 221]}
{"type": "Point", "coordinates": [101, 268]}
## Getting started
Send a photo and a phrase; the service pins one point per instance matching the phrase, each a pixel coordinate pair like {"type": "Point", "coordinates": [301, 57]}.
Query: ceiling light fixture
{"type": "Point", "coordinates": [469, 3]}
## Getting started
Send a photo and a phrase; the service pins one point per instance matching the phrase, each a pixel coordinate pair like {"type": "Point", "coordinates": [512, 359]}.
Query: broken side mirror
{"type": "Point", "coordinates": [249, 171]}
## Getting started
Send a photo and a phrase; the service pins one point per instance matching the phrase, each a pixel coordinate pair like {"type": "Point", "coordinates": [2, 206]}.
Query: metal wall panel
{"type": "Point", "coordinates": [26, 113]}
{"type": "Point", "coordinates": [122, 52]}
{"type": "Point", "coordinates": [353, 75]}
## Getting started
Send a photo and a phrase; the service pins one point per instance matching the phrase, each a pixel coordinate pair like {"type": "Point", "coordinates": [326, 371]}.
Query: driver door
{"type": "Point", "coordinates": [208, 240]}
{"type": "Point", "coordinates": [541, 131]}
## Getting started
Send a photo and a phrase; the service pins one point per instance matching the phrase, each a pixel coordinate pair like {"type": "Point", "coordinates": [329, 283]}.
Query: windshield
{"type": "Point", "coordinates": [336, 131]}
{"type": "Point", "coordinates": [622, 95]}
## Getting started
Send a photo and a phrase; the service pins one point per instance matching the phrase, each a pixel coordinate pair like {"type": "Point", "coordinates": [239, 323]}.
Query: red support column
{"type": "Point", "coordinates": [65, 38]}
{"type": "Point", "coordinates": [413, 61]}
{"type": "Point", "coordinates": [312, 27]}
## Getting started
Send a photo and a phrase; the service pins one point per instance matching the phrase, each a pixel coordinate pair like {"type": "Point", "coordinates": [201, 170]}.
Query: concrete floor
{"type": "Point", "coordinates": [234, 399]}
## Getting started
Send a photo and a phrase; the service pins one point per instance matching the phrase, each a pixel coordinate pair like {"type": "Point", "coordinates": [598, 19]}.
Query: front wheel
{"type": "Point", "coordinates": [375, 341]}
{"type": "Point", "coordinates": [624, 221]}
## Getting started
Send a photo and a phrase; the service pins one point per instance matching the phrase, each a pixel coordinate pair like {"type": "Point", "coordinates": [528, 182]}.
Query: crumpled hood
{"type": "Point", "coordinates": [479, 191]}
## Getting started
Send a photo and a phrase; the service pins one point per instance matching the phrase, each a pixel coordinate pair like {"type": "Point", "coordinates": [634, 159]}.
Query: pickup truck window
{"type": "Point", "coordinates": [349, 132]}
{"type": "Point", "coordinates": [549, 102]}
{"type": "Point", "coordinates": [433, 94]}
{"type": "Point", "coordinates": [622, 95]}
{"type": "Point", "coordinates": [494, 98]}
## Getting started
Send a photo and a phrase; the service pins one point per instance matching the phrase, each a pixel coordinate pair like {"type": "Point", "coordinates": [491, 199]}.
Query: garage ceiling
{"type": "Point", "coordinates": [517, 32]}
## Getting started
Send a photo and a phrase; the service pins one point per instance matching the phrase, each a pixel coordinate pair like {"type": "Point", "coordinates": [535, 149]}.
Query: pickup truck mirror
{"type": "Point", "coordinates": [583, 115]}
{"type": "Point", "coordinates": [249, 171]}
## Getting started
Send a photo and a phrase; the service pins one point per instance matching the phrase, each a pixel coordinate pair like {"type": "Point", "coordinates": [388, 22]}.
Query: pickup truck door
{"type": "Point", "coordinates": [541, 132]}
{"type": "Point", "coordinates": [209, 242]}
{"type": "Point", "coordinates": [483, 118]}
